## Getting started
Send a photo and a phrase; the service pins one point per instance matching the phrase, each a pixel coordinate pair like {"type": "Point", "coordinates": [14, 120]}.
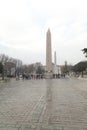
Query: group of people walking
{"type": "Point", "coordinates": [31, 76]}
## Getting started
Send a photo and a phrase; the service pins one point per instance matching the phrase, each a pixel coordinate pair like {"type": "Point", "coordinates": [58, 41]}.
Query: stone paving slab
{"type": "Point", "coordinates": [43, 105]}
{"type": "Point", "coordinates": [44, 128]}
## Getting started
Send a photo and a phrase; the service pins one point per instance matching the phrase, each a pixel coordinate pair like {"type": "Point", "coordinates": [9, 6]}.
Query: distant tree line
{"type": "Point", "coordinates": [80, 68]}
{"type": "Point", "coordinates": [32, 69]}
{"type": "Point", "coordinates": [6, 63]}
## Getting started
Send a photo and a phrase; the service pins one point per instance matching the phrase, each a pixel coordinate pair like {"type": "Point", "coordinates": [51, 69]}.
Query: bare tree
{"type": "Point", "coordinates": [3, 58]}
{"type": "Point", "coordinates": [9, 61]}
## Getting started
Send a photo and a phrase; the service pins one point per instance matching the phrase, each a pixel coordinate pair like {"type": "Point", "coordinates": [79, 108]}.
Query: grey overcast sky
{"type": "Point", "coordinates": [24, 23]}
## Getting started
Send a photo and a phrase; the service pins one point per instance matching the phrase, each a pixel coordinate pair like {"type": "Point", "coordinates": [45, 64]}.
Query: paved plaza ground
{"type": "Point", "coordinates": [52, 104]}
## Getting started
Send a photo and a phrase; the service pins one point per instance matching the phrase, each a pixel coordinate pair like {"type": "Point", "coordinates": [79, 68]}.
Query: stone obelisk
{"type": "Point", "coordinates": [48, 54]}
{"type": "Point", "coordinates": [55, 58]}
{"type": "Point", "coordinates": [55, 68]}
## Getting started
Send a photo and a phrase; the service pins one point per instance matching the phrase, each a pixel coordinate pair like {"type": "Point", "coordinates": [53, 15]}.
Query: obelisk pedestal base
{"type": "Point", "coordinates": [48, 75]}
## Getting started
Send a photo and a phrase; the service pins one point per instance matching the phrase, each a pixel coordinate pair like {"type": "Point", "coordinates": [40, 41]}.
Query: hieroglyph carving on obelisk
{"type": "Point", "coordinates": [48, 52]}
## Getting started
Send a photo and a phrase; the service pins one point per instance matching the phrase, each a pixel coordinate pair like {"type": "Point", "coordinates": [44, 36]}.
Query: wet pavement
{"type": "Point", "coordinates": [57, 104]}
